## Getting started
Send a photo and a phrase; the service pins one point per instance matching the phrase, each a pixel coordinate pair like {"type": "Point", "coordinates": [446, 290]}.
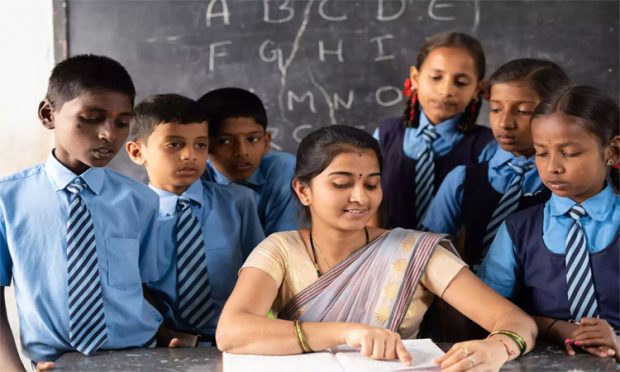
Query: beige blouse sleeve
{"type": "Point", "coordinates": [442, 267]}
{"type": "Point", "coordinates": [270, 257]}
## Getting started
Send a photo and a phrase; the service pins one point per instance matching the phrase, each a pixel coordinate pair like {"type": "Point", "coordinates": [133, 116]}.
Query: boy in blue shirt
{"type": "Point", "coordinates": [239, 153]}
{"type": "Point", "coordinates": [78, 240]}
{"type": "Point", "coordinates": [206, 230]}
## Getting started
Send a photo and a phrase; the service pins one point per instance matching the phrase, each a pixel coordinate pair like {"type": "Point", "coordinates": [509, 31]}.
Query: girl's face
{"type": "Point", "coordinates": [346, 194]}
{"type": "Point", "coordinates": [570, 159]}
{"type": "Point", "coordinates": [511, 108]}
{"type": "Point", "coordinates": [446, 83]}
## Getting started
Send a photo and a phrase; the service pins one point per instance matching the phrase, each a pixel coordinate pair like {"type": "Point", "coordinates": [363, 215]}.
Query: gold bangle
{"type": "Point", "coordinates": [514, 337]}
{"type": "Point", "coordinates": [301, 338]}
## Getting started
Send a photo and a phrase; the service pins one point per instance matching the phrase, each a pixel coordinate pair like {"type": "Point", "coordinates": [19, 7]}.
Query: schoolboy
{"type": "Point", "coordinates": [206, 230]}
{"type": "Point", "coordinates": [239, 153]}
{"type": "Point", "coordinates": [78, 240]}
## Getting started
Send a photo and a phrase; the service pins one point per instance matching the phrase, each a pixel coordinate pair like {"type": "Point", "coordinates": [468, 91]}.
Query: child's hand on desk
{"type": "Point", "coordinates": [596, 337]}
{"type": "Point", "coordinates": [167, 337]}
{"type": "Point", "coordinates": [45, 366]}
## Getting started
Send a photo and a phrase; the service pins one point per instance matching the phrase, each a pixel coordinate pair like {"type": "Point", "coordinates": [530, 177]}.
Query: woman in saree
{"type": "Point", "coordinates": [341, 282]}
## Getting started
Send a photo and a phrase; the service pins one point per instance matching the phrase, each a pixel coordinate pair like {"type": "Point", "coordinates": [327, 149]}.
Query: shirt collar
{"type": "Point", "coordinates": [61, 176]}
{"type": "Point", "coordinates": [443, 129]}
{"type": "Point", "coordinates": [597, 207]}
{"type": "Point", "coordinates": [168, 200]}
{"type": "Point", "coordinates": [256, 179]}
{"type": "Point", "coordinates": [502, 157]}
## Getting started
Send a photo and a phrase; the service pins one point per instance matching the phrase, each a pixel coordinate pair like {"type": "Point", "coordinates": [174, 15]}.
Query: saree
{"type": "Point", "coordinates": [373, 286]}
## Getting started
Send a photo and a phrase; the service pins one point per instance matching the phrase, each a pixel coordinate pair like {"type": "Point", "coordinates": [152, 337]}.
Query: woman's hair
{"type": "Point", "coordinates": [451, 40]}
{"type": "Point", "coordinates": [600, 112]}
{"type": "Point", "coordinates": [317, 150]}
{"type": "Point", "coordinates": [543, 77]}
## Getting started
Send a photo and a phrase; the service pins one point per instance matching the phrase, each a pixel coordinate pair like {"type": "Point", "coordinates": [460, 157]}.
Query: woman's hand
{"type": "Point", "coordinates": [478, 355]}
{"type": "Point", "coordinates": [596, 337]}
{"type": "Point", "coordinates": [377, 343]}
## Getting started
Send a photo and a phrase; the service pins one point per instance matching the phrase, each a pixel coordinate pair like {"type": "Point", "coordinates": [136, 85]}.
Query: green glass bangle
{"type": "Point", "coordinates": [515, 337]}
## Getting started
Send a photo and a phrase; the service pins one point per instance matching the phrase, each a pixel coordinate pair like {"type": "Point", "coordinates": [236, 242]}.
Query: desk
{"type": "Point", "coordinates": [543, 358]}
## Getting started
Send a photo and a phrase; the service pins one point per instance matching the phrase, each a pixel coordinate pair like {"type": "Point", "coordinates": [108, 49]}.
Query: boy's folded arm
{"type": "Point", "coordinates": [10, 360]}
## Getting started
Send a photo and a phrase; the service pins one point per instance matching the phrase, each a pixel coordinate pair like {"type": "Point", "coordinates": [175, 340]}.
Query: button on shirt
{"type": "Point", "coordinates": [600, 226]}
{"type": "Point", "coordinates": [34, 208]}
{"type": "Point", "coordinates": [445, 215]}
{"type": "Point", "coordinates": [231, 230]}
{"type": "Point", "coordinates": [278, 209]}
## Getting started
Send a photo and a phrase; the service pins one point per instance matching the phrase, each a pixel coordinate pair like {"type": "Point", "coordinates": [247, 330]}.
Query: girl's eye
{"type": "Point", "coordinates": [436, 78]}
{"type": "Point", "coordinates": [371, 187]}
{"type": "Point", "coordinates": [570, 155]}
{"type": "Point", "coordinates": [524, 112]}
{"type": "Point", "coordinates": [462, 83]}
{"type": "Point", "coordinates": [122, 124]}
{"type": "Point", "coordinates": [341, 185]}
{"type": "Point", "coordinates": [223, 141]}
{"type": "Point", "coordinates": [201, 146]}
{"type": "Point", "coordinates": [494, 110]}
{"type": "Point", "coordinates": [541, 154]}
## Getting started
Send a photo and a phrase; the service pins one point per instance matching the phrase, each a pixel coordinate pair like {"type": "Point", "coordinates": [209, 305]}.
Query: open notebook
{"type": "Point", "coordinates": [341, 359]}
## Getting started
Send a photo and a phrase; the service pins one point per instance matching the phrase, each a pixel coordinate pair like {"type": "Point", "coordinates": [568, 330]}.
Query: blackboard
{"type": "Point", "coordinates": [319, 62]}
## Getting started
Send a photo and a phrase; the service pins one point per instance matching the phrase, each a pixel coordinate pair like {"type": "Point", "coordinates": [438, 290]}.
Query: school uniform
{"type": "Point", "coordinates": [231, 230]}
{"type": "Point", "coordinates": [402, 148]}
{"type": "Point", "coordinates": [470, 194]}
{"type": "Point", "coordinates": [34, 210]}
{"type": "Point", "coordinates": [277, 209]}
{"type": "Point", "coordinates": [526, 260]}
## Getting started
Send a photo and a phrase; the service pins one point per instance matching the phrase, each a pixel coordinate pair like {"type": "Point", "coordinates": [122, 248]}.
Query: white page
{"type": "Point", "coordinates": [282, 363]}
{"type": "Point", "coordinates": [423, 352]}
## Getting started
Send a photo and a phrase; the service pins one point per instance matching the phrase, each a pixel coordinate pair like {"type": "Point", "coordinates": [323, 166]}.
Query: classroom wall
{"type": "Point", "coordinates": [28, 44]}
{"type": "Point", "coordinates": [27, 40]}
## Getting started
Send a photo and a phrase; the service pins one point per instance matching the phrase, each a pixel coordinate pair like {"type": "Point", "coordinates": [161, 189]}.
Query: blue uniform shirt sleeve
{"type": "Point", "coordinates": [281, 214]}
{"type": "Point", "coordinates": [251, 229]}
{"type": "Point", "coordinates": [376, 134]}
{"type": "Point", "coordinates": [499, 268]}
{"type": "Point", "coordinates": [445, 212]}
{"type": "Point", "coordinates": [6, 263]}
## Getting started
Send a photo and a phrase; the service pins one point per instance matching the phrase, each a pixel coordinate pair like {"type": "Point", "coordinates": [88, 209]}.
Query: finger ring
{"type": "Point", "coordinates": [466, 350]}
{"type": "Point", "coordinates": [472, 360]}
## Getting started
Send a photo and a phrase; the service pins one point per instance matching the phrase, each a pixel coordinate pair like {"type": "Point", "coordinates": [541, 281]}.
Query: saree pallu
{"type": "Point", "coordinates": [374, 286]}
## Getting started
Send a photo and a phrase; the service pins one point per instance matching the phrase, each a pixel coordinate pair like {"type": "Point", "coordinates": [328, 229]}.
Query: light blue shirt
{"type": "Point", "coordinates": [278, 209]}
{"type": "Point", "coordinates": [34, 208]}
{"type": "Point", "coordinates": [231, 230]}
{"type": "Point", "coordinates": [445, 214]}
{"type": "Point", "coordinates": [499, 268]}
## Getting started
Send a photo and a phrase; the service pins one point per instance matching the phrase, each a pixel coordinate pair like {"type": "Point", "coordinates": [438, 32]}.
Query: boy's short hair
{"type": "Point", "coordinates": [221, 104]}
{"type": "Point", "coordinates": [163, 108]}
{"type": "Point", "coordinates": [87, 72]}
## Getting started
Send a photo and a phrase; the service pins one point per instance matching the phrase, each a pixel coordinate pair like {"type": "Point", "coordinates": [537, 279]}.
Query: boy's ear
{"type": "Point", "coordinates": [483, 90]}
{"type": "Point", "coordinates": [303, 192]}
{"type": "Point", "coordinates": [134, 150]}
{"type": "Point", "coordinates": [46, 114]}
{"type": "Point", "coordinates": [267, 139]}
{"type": "Point", "coordinates": [414, 76]}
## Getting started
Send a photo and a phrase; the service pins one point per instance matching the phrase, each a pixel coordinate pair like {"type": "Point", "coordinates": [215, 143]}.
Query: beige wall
{"type": "Point", "coordinates": [26, 39]}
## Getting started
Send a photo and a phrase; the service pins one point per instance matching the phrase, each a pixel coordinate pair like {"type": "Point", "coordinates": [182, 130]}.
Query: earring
{"type": "Point", "coordinates": [610, 162]}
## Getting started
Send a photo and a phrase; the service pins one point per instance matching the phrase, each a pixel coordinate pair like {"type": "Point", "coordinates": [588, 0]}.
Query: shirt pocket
{"type": "Point", "coordinates": [123, 262]}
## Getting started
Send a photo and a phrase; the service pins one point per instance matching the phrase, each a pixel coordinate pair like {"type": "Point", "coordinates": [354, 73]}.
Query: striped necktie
{"type": "Point", "coordinates": [87, 326]}
{"type": "Point", "coordinates": [194, 302]}
{"type": "Point", "coordinates": [507, 204]}
{"type": "Point", "coordinates": [581, 295]}
{"type": "Point", "coordinates": [425, 174]}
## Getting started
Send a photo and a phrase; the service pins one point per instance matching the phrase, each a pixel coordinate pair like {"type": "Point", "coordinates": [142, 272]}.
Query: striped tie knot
{"type": "Point", "coordinates": [577, 211]}
{"type": "Point", "coordinates": [429, 134]}
{"type": "Point", "coordinates": [521, 169]}
{"type": "Point", "coordinates": [76, 186]}
{"type": "Point", "coordinates": [183, 203]}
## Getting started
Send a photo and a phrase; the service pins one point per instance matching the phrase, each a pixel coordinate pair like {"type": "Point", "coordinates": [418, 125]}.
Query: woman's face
{"type": "Point", "coordinates": [346, 194]}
